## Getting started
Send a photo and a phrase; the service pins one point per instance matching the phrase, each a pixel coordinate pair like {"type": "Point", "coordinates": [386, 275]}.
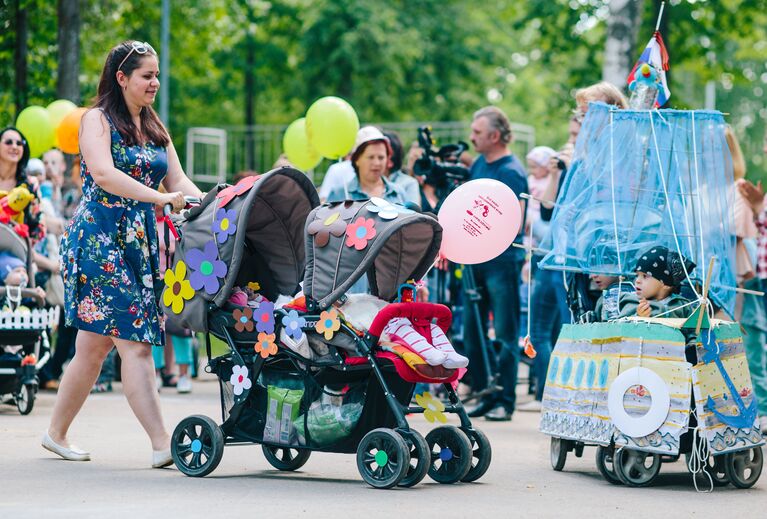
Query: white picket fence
{"type": "Point", "coordinates": [24, 319]}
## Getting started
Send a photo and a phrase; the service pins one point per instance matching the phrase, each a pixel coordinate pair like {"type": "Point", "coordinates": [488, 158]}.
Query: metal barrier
{"type": "Point", "coordinates": [216, 154]}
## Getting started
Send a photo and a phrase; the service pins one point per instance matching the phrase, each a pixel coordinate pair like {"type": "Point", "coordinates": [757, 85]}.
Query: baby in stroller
{"type": "Point", "coordinates": [24, 347]}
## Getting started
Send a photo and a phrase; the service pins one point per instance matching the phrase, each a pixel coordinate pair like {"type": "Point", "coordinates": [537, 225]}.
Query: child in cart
{"type": "Point", "coordinates": [13, 272]}
{"type": "Point", "coordinates": [660, 274]}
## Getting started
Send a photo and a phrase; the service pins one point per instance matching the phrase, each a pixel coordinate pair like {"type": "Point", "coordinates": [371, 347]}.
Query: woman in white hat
{"type": "Point", "coordinates": [370, 158]}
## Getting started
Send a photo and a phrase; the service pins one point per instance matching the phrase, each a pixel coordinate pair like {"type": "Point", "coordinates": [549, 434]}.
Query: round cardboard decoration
{"type": "Point", "coordinates": [638, 426]}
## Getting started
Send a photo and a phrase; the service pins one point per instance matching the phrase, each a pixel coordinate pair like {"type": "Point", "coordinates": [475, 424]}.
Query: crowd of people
{"type": "Point", "coordinates": [98, 257]}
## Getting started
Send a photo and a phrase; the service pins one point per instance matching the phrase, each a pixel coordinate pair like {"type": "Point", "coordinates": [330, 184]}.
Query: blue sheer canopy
{"type": "Point", "coordinates": [641, 178]}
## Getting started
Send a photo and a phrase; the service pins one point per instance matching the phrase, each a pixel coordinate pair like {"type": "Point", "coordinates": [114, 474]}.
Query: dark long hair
{"type": "Point", "coordinates": [21, 175]}
{"type": "Point", "coordinates": [110, 99]}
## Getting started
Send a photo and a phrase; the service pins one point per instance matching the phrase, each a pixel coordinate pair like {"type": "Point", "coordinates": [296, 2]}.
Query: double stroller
{"type": "Point", "coordinates": [24, 326]}
{"type": "Point", "coordinates": [297, 375]}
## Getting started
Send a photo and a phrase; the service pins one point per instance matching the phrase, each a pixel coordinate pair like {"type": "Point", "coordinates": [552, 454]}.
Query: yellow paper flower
{"type": "Point", "coordinates": [254, 286]}
{"type": "Point", "coordinates": [329, 323]}
{"type": "Point", "coordinates": [432, 408]}
{"type": "Point", "coordinates": [178, 290]}
{"type": "Point", "coordinates": [265, 345]}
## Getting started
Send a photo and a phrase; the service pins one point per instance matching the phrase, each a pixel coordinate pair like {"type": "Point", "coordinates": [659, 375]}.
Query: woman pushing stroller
{"type": "Point", "coordinates": [110, 251]}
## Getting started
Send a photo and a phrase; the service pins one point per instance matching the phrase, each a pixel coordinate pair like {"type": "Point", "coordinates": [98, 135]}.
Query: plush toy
{"type": "Point", "coordinates": [644, 88]}
{"type": "Point", "coordinates": [645, 74]}
{"type": "Point", "coordinates": [13, 203]}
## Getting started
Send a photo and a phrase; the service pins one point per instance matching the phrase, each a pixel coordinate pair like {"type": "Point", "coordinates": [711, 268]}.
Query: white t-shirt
{"type": "Point", "coordinates": [336, 178]}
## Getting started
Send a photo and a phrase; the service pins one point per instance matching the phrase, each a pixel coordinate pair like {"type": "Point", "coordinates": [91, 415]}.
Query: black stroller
{"type": "Point", "coordinates": [312, 381]}
{"type": "Point", "coordinates": [24, 325]}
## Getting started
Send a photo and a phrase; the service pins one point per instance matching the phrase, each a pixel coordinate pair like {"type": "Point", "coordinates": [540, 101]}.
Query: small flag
{"type": "Point", "coordinates": [656, 55]}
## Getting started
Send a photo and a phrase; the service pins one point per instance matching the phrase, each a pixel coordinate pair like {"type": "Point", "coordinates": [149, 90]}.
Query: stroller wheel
{"type": "Point", "coordinates": [743, 468]}
{"type": "Point", "coordinates": [715, 469]}
{"type": "Point", "coordinates": [197, 445]}
{"type": "Point", "coordinates": [558, 450]}
{"type": "Point", "coordinates": [636, 468]}
{"type": "Point", "coordinates": [605, 465]}
{"type": "Point", "coordinates": [451, 454]}
{"type": "Point", "coordinates": [285, 458]}
{"type": "Point", "coordinates": [25, 400]}
{"type": "Point", "coordinates": [481, 455]}
{"type": "Point", "coordinates": [420, 458]}
{"type": "Point", "coordinates": [383, 458]}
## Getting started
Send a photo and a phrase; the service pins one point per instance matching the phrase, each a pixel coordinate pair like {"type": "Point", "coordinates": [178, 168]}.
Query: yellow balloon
{"type": "Point", "coordinates": [35, 123]}
{"type": "Point", "coordinates": [331, 126]}
{"type": "Point", "coordinates": [296, 146]}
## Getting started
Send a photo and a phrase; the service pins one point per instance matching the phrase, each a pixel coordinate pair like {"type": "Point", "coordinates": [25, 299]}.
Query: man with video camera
{"type": "Point", "coordinates": [498, 279]}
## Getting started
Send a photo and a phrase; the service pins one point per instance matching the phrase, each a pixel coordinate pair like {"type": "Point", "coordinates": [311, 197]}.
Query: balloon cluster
{"type": "Point", "coordinates": [56, 125]}
{"type": "Point", "coordinates": [328, 130]}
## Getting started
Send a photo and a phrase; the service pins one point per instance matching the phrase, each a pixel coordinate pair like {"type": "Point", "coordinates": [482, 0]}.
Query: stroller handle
{"type": "Point", "coordinates": [191, 201]}
{"type": "Point", "coordinates": [412, 311]}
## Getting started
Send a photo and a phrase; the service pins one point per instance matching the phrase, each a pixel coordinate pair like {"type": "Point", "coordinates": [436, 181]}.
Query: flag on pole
{"type": "Point", "coordinates": [656, 55]}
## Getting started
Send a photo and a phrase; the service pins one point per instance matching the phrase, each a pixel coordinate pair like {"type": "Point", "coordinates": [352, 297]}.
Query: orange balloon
{"type": "Point", "coordinates": [67, 132]}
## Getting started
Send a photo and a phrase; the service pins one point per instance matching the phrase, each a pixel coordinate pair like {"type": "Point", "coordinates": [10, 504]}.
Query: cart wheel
{"type": "Point", "coordinates": [636, 468]}
{"type": "Point", "coordinates": [605, 465]}
{"type": "Point", "coordinates": [481, 455]}
{"type": "Point", "coordinates": [25, 400]}
{"type": "Point", "coordinates": [451, 454]}
{"type": "Point", "coordinates": [558, 452]}
{"type": "Point", "coordinates": [383, 458]}
{"type": "Point", "coordinates": [743, 468]}
{"type": "Point", "coordinates": [420, 458]}
{"type": "Point", "coordinates": [197, 445]}
{"type": "Point", "coordinates": [285, 458]}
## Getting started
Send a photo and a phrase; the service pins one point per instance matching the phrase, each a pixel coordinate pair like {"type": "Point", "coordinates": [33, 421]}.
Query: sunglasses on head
{"type": "Point", "coordinates": [137, 47]}
{"type": "Point", "coordinates": [11, 142]}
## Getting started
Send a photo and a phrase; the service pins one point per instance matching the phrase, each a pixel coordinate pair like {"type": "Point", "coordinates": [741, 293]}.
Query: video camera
{"type": "Point", "coordinates": [441, 168]}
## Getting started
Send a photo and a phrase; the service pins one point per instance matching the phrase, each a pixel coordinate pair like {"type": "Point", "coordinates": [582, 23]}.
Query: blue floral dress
{"type": "Point", "coordinates": [110, 252]}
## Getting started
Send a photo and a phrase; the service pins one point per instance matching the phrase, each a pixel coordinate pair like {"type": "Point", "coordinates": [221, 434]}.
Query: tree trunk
{"type": "Point", "coordinates": [68, 86]}
{"type": "Point", "coordinates": [620, 46]}
{"type": "Point", "coordinates": [20, 58]}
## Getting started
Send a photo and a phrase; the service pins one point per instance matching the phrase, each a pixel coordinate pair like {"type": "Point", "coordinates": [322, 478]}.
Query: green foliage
{"type": "Point", "coordinates": [432, 60]}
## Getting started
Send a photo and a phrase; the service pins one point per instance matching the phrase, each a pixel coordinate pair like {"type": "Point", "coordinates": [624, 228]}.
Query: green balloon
{"type": "Point", "coordinates": [296, 146]}
{"type": "Point", "coordinates": [332, 125]}
{"type": "Point", "coordinates": [35, 123]}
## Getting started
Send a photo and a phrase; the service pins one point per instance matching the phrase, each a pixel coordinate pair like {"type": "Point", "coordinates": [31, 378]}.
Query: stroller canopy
{"type": "Point", "coordinates": [389, 243]}
{"type": "Point", "coordinates": [251, 232]}
{"type": "Point", "coordinates": [645, 178]}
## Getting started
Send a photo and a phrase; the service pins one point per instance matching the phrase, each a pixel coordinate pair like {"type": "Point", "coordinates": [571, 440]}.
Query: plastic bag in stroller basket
{"type": "Point", "coordinates": [332, 417]}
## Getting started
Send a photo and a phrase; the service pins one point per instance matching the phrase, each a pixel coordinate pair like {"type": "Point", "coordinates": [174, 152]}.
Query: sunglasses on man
{"type": "Point", "coordinates": [137, 47]}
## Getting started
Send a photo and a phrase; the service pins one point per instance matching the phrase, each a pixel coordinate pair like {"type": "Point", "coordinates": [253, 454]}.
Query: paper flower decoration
{"type": "Point", "coordinates": [241, 187]}
{"type": "Point", "coordinates": [224, 224]}
{"type": "Point", "coordinates": [386, 210]}
{"type": "Point", "coordinates": [433, 409]}
{"type": "Point", "coordinates": [322, 227]}
{"type": "Point", "coordinates": [255, 286]}
{"type": "Point", "coordinates": [360, 232]}
{"type": "Point", "coordinates": [239, 379]}
{"type": "Point", "coordinates": [243, 319]}
{"type": "Point", "coordinates": [293, 323]}
{"type": "Point", "coordinates": [264, 317]}
{"type": "Point", "coordinates": [178, 290]}
{"type": "Point", "coordinates": [328, 324]}
{"type": "Point", "coordinates": [265, 345]}
{"type": "Point", "coordinates": [207, 268]}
